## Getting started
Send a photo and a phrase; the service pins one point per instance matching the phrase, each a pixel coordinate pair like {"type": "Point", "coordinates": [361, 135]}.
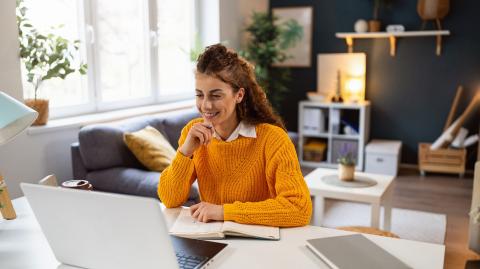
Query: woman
{"type": "Point", "coordinates": [244, 161]}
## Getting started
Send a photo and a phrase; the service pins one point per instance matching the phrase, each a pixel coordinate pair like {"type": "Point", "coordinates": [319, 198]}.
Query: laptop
{"type": "Point", "coordinates": [104, 230]}
{"type": "Point", "coordinates": [353, 252]}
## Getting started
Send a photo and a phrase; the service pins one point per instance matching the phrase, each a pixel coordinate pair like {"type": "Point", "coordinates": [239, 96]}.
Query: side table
{"type": "Point", "coordinates": [378, 195]}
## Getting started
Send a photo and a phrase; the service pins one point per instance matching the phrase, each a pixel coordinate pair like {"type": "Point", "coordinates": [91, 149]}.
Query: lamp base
{"type": "Point", "coordinates": [6, 207]}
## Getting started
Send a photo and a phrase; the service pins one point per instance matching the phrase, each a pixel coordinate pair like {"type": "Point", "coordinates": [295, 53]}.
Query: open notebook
{"type": "Point", "coordinates": [187, 226]}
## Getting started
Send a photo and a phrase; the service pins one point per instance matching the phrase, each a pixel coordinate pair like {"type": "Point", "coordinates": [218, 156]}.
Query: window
{"type": "Point", "coordinates": [73, 91]}
{"type": "Point", "coordinates": [174, 46]}
{"type": "Point", "coordinates": [121, 46]}
{"type": "Point", "coordinates": [137, 52]}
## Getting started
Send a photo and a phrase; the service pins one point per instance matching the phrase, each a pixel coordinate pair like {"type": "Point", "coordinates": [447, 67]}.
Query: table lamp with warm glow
{"type": "Point", "coordinates": [354, 88]}
{"type": "Point", "coordinates": [14, 118]}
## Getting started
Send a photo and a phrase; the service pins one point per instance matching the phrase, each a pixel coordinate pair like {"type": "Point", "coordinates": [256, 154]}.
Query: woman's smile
{"type": "Point", "coordinates": [210, 115]}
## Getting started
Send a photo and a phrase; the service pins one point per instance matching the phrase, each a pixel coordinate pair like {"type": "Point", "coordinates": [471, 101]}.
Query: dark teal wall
{"type": "Point", "coordinates": [411, 93]}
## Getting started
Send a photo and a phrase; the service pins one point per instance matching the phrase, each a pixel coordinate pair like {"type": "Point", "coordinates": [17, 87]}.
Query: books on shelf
{"type": "Point", "coordinates": [313, 121]}
{"type": "Point", "coordinates": [187, 226]}
{"type": "Point", "coordinates": [335, 120]}
{"type": "Point", "coordinates": [353, 252]}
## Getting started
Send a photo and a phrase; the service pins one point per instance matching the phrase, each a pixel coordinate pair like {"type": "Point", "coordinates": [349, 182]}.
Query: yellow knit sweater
{"type": "Point", "coordinates": [257, 180]}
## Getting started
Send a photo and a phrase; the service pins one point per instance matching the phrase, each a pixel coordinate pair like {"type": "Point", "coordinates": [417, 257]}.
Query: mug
{"type": "Point", "coordinates": [77, 184]}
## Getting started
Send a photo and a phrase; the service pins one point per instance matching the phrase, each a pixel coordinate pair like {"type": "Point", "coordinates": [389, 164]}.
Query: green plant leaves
{"type": "Point", "coordinates": [267, 45]}
{"type": "Point", "coordinates": [45, 55]}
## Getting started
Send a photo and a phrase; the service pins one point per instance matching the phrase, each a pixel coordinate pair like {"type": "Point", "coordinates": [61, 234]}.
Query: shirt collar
{"type": "Point", "coordinates": [243, 129]}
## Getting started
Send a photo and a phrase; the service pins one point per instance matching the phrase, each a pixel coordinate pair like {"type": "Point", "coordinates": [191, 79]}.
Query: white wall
{"type": "Point", "coordinates": [10, 79]}
{"type": "Point", "coordinates": [30, 157]}
{"type": "Point", "coordinates": [235, 16]}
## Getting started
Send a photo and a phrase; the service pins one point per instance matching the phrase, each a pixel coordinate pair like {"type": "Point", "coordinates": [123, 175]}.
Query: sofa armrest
{"type": "Point", "coordinates": [79, 170]}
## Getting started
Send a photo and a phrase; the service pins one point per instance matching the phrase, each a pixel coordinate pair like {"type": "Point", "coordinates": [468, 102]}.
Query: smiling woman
{"type": "Point", "coordinates": [239, 152]}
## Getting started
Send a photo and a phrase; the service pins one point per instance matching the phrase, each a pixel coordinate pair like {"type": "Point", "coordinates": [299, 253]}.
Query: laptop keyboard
{"type": "Point", "coordinates": [189, 261]}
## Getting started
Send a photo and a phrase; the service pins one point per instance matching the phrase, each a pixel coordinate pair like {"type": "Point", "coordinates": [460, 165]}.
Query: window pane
{"type": "Point", "coordinates": [74, 89]}
{"type": "Point", "coordinates": [122, 50]}
{"type": "Point", "coordinates": [175, 34]}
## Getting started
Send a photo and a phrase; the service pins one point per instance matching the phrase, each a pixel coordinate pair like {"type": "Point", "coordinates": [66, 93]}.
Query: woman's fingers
{"type": "Point", "coordinates": [196, 213]}
{"type": "Point", "coordinates": [206, 212]}
{"type": "Point", "coordinates": [200, 216]}
{"type": "Point", "coordinates": [205, 217]}
{"type": "Point", "coordinates": [199, 212]}
{"type": "Point", "coordinates": [194, 208]}
{"type": "Point", "coordinates": [205, 131]}
{"type": "Point", "coordinates": [199, 135]}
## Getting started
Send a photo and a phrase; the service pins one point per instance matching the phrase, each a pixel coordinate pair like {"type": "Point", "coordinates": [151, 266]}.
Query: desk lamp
{"type": "Point", "coordinates": [14, 118]}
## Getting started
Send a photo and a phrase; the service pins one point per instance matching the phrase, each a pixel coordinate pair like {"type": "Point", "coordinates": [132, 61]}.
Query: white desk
{"type": "Point", "coordinates": [22, 245]}
{"type": "Point", "coordinates": [380, 194]}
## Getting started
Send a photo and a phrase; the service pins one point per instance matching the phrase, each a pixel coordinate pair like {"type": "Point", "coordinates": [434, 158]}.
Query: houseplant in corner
{"type": "Point", "coordinates": [346, 163]}
{"type": "Point", "coordinates": [266, 46]}
{"type": "Point", "coordinates": [44, 56]}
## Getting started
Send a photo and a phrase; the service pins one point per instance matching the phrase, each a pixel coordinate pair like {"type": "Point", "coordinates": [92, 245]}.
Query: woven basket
{"type": "Point", "coordinates": [41, 106]}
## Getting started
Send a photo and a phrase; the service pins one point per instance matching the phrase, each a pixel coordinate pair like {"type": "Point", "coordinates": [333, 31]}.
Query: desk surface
{"type": "Point", "coordinates": [23, 245]}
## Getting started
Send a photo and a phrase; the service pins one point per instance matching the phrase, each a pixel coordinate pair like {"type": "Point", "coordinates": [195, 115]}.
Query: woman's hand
{"type": "Point", "coordinates": [200, 134]}
{"type": "Point", "coordinates": [205, 212]}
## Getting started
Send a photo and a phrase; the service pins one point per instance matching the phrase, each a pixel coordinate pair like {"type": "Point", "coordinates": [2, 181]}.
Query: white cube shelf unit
{"type": "Point", "coordinates": [334, 125]}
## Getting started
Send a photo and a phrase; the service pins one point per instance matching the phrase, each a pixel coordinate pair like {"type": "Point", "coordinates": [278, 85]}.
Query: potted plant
{"type": "Point", "coordinates": [266, 46]}
{"type": "Point", "coordinates": [374, 25]}
{"type": "Point", "coordinates": [346, 163]}
{"type": "Point", "coordinates": [44, 56]}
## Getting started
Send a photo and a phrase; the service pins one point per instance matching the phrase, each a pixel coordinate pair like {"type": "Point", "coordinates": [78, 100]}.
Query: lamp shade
{"type": "Point", "coordinates": [14, 117]}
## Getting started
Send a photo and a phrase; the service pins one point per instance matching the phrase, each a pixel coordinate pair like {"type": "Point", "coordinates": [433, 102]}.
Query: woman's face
{"type": "Point", "coordinates": [216, 100]}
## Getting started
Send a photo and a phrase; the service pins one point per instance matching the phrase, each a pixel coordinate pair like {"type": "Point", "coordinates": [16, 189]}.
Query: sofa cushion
{"type": "Point", "coordinates": [174, 123]}
{"type": "Point", "coordinates": [150, 147]}
{"type": "Point", "coordinates": [129, 181]}
{"type": "Point", "coordinates": [102, 146]}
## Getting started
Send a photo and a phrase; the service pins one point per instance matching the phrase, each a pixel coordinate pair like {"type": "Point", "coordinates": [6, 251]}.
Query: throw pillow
{"type": "Point", "coordinates": [151, 148]}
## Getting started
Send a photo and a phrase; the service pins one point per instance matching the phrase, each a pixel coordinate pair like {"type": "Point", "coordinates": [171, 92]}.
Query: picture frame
{"type": "Point", "coordinates": [301, 53]}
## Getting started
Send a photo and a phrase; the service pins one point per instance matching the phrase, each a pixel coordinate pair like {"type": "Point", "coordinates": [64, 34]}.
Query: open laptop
{"type": "Point", "coordinates": [104, 230]}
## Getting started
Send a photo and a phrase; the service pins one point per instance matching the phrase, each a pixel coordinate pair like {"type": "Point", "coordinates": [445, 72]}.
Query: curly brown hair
{"type": "Point", "coordinates": [226, 65]}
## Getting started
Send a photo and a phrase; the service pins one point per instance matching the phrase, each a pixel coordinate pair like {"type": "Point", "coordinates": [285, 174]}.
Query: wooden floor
{"type": "Point", "coordinates": [443, 194]}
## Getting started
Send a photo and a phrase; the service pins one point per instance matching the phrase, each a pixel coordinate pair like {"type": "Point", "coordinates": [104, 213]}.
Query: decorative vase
{"type": "Point", "coordinates": [361, 26]}
{"type": "Point", "coordinates": [433, 9]}
{"type": "Point", "coordinates": [41, 106]}
{"type": "Point", "coordinates": [374, 25]}
{"type": "Point", "coordinates": [346, 172]}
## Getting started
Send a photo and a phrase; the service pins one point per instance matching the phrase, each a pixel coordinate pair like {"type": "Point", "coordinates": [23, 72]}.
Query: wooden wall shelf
{"type": "Point", "coordinates": [349, 37]}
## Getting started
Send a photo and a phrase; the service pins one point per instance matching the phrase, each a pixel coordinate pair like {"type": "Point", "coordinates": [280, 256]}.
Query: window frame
{"type": "Point", "coordinates": [87, 24]}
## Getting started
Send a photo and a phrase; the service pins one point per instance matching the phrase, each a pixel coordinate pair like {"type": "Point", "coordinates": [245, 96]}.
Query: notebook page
{"type": "Point", "coordinates": [260, 231]}
{"type": "Point", "coordinates": [187, 225]}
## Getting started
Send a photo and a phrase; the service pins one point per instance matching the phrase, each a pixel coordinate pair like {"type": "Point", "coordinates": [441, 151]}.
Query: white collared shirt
{"type": "Point", "coordinates": [242, 129]}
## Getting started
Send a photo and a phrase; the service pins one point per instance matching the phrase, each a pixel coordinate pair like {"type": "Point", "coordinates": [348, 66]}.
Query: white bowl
{"type": "Point", "coordinates": [315, 96]}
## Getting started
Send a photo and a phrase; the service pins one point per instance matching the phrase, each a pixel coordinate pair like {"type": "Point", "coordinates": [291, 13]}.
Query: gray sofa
{"type": "Point", "coordinates": [101, 157]}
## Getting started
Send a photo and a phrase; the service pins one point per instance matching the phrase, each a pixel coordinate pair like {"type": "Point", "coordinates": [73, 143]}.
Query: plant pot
{"type": "Point", "coordinates": [346, 172]}
{"type": "Point", "coordinates": [374, 26]}
{"type": "Point", "coordinates": [41, 106]}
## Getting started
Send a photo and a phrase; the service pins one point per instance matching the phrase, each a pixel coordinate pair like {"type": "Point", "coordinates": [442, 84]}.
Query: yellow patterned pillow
{"type": "Point", "coordinates": [151, 148]}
